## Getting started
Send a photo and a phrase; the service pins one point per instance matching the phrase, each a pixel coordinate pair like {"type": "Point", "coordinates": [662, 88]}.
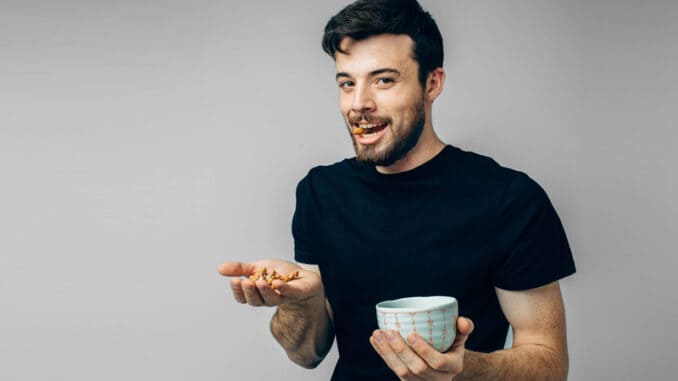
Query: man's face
{"type": "Point", "coordinates": [379, 91]}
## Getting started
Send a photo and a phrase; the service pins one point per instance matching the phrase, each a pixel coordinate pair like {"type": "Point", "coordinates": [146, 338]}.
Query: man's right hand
{"type": "Point", "coordinates": [259, 293]}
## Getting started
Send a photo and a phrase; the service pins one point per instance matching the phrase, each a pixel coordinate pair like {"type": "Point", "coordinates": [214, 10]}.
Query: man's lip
{"type": "Point", "coordinates": [371, 138]}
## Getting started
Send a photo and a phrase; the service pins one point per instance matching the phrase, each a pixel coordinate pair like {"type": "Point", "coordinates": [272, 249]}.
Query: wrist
{"type": "Point", "coordinates": [472, 362]}
{"type": "Point", "coordinates": [301, 305]}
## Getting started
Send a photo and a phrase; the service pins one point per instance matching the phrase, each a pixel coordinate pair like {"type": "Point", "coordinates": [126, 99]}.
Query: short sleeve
{"type": "Point", "coordinates": [304, 226]}
{"type": "Point", "coordinates": [533, 247]}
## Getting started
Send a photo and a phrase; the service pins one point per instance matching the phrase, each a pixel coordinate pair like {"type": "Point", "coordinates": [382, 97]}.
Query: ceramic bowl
{"type": "Point", "coordinates": [434, 318]}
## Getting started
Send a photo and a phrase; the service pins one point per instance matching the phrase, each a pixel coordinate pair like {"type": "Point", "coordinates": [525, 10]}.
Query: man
{"type": "Point", "coordinates": [412, 216]}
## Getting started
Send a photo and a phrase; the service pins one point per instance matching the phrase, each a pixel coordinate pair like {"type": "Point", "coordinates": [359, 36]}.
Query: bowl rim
{"type": "Point", "coordinates": [438, 301]}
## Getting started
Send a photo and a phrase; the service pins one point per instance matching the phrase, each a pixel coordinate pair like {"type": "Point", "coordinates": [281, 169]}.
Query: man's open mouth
{"type": "Point", "coordinates": [368, 128]}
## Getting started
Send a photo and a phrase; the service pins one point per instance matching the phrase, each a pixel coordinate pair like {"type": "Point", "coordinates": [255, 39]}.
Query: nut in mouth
{"type": "Point", "coordinates": [367, 128]}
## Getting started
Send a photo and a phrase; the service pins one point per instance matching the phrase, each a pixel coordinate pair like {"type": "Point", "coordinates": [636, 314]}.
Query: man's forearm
{"type": "Point", "coordinates": [526, 362]}
{"type": "Point", "coordinates": [304, 330]}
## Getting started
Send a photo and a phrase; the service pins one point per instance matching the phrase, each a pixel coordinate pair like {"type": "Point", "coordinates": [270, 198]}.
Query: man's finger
{"type": "Point", "coordinates": [430, 355]}
{"type": "Point", "coordinates": [236, 269]}
{"type": "Point", "coordinates": [288, 290]}
{"type": "Point", "coordinates": [268, 294]}
{"type": "Point", "coordinates": [464, 329]}
{"type": "Point", "coordinates": [464, 326]}
{"type": "Point", "coordinates": [238, 293]}
{"type": "Point", "coordinates": [415, 364]}
{"type": "Point", "coordinates": [380, 344]}
{"type": "Point", "coordinates": [251, 293]}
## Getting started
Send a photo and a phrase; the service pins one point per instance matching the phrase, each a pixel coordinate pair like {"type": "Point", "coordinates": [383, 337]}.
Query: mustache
{"type": "Point", "coordinates": [356, 118]}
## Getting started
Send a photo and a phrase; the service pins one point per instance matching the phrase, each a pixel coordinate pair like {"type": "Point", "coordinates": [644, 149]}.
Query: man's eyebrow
{"type": "Point", "coordinates": [372, 73]}
{"type": "Point", "coordinates": [384, 70]}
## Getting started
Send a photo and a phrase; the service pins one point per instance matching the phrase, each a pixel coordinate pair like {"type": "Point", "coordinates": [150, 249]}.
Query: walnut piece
{"type": "Point", "coordinates": [263, 274]}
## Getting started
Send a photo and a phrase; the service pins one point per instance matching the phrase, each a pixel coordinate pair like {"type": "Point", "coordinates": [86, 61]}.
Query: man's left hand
{"type": "Point", "coordinates": [420, 361]}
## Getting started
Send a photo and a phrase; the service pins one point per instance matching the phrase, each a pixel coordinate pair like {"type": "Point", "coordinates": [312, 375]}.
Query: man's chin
{"type": "Point", "coordinates": [381, 159]}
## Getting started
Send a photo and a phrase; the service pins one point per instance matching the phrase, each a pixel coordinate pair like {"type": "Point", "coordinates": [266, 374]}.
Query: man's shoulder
{"type": "Point", "coordinates": [334, 169]}
{"type": "Point", "coordinates": [481, 168]}
{"type": "Point", "coordinates": [324, 173]}
{"type": "Point", "coordinates": [509, 182]}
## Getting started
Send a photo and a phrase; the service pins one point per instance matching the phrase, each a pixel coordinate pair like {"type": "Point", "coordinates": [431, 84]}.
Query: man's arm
{"type": "Point", "coordinates": [539, 350]}
{"type": "Point", "coordinates": [304, 329]}
{"type": "Point", "coordinates": [302, 324]}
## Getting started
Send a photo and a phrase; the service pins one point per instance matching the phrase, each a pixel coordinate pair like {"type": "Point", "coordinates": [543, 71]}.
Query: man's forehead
{"type": "Point", "coordinates": [385, 42]}
{"type": "Point", "coordinates": [374, 52]}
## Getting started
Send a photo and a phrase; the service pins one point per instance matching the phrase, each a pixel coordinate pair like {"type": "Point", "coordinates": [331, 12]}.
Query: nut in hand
{"type": "Point", "coordinates": [269, 278]}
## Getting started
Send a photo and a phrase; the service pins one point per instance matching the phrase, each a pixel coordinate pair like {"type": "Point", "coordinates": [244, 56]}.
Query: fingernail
{"type": "Point", "coordinates": [391, 335]}
{"type": "Point", "coordinates": [411, 338]}
{"type": "Point", "coordinates": [379, 337]}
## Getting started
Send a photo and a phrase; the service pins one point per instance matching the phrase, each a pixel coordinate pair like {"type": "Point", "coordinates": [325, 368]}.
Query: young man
{"type": "Point", "coordinates": [412, 216]}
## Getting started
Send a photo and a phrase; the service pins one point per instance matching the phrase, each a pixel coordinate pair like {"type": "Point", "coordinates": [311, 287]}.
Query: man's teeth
{"type": "Point", "coordinates": [368, 126]}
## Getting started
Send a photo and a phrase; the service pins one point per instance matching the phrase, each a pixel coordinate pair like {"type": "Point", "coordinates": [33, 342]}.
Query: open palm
{"type": "Point", "coordinates": [259, 293]}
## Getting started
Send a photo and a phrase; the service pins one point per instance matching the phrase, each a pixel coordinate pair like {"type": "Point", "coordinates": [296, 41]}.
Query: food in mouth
{"type": "Point", "coordinates": [367, 128]}
{"type": "Point", "coordinates": [269, 278]}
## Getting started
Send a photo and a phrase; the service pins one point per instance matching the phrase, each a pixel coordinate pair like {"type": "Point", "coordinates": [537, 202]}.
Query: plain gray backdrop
{"type": "Point", "coordinates": [143, 143]}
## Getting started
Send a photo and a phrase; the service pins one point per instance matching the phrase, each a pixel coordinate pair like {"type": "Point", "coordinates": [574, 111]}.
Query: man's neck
{"type": "Point", "coordinates": [427, 148]}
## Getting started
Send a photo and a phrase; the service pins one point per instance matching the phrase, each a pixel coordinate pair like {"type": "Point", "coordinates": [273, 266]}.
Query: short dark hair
{"type": "Point", "coordinates": [366, 18]}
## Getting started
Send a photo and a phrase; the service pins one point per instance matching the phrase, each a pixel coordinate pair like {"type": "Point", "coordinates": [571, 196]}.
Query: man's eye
{"type": "Point", "coordinates": [345, 83]}
{"type": "Point", "coordinates": [385, 81]}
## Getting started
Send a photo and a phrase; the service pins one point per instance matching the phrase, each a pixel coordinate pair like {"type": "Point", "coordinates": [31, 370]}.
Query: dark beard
{"type": "Point", "coordinates": [401, 147]}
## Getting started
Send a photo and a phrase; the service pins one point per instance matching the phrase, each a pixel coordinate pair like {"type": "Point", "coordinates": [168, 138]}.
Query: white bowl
{"type": "Point", "coordinates": [434, 318]}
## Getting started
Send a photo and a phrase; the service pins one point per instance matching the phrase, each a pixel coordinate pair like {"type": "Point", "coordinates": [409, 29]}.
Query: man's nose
{"type": "Point", "coordinates": [363, 100]}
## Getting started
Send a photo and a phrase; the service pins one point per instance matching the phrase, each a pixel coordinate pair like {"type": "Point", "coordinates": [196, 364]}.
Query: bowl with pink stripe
{"type": "Point", "coordinates": [434, 318]}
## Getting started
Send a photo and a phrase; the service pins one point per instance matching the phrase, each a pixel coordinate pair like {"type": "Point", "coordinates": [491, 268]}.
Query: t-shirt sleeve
{"type": "Point", "coordinates": [533, 247]}
{"type": "Point", "coordinates": [304, 225]}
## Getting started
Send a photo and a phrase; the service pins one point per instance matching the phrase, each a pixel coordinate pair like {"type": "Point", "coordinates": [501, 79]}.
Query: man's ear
{"type": "Point", "coordinates": [434, 83]}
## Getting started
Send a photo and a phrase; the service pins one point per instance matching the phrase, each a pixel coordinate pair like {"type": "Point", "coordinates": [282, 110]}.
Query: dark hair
{"type": "Point", "coordinates": [365, 18]}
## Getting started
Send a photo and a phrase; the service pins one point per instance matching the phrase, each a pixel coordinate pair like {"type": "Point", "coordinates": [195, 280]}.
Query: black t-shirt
{"type": "Point", "coordinates": [458, 225]}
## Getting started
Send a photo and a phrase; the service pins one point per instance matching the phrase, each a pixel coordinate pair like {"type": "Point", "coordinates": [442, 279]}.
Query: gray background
{"type": "Point", "coordinates": [142, 143]}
